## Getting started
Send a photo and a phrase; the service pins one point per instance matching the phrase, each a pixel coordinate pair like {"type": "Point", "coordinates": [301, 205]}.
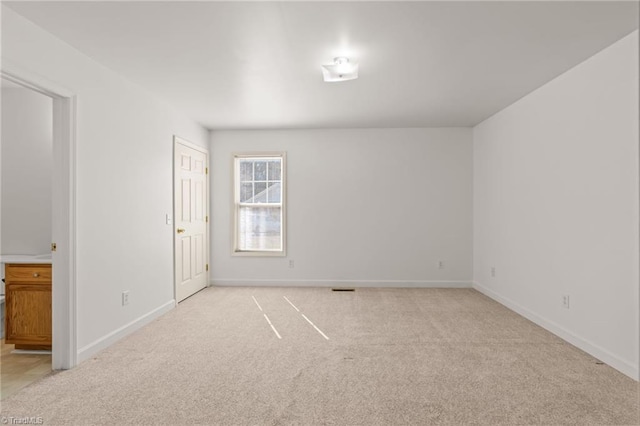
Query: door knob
{"type": "Point", "coordinates": [180, 230]}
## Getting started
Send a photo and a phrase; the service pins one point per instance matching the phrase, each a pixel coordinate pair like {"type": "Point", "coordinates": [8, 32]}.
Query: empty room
{"type": "Point", "coordinates": [346, 213]}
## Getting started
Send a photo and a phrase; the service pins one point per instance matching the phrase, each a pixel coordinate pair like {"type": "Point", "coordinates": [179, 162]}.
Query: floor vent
{"type": "Point", "coordinates": [343, 289]}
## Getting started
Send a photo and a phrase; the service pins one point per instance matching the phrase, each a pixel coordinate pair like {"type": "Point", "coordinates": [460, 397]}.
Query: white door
{"type": "Point", "coordinates": [191, 238]}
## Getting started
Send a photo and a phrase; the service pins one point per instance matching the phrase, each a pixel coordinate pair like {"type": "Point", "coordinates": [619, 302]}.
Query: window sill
{"type": "Point", "coordinates": [259, 253]}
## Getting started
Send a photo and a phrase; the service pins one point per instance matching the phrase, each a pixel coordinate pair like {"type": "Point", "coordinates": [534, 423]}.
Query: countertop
{"type": "Point", "coordinates": [25, 258]}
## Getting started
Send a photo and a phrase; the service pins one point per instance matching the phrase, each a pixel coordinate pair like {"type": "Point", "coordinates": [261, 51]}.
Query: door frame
{"type": "Point", "coordinates": [177, 140]}
{"type": "Point", "coordinates": [64, 303]}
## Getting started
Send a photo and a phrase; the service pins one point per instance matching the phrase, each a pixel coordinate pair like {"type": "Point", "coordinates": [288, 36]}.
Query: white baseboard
{"type": "Point", "coordinates": [93, 348]}
{"type": "Point", "coordinates": [339, 283]}
{"type": "Point", "coordinates": [596, 351]}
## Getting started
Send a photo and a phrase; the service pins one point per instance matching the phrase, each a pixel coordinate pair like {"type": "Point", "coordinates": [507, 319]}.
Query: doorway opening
{"type": "Point", "coordinates": [26, 156]}
{"type": "Point", "coordinates": [60, 247]}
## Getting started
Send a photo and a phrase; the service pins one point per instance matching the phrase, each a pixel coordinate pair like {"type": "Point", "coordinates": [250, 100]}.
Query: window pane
{"type": "Point", "coordinates": [260, 170]}
{"type": "Point", "coordinates": [259, 181]}
{"type": "Point", "coordinates": [274, 192]}
{"type": "Point", "coordinates": [259, 228]}
{"type": "Point", "coordinates": [246, 170]}
{"type": "Point", "coordinates": [260, 192]}
{"type": "Point", "coordinates": [274, 170]}
{"type": "Point", "coordinates": [246, 192]}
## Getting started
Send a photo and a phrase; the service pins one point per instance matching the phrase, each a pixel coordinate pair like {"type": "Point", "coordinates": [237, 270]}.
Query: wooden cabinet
{"type": "Point", "coordinates": [28, 305]}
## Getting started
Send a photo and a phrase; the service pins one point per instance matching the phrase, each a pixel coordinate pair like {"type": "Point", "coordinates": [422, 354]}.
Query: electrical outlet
{"type": "Point", "coordinates": [440, 264]}
{"type": "Point", "coordinates": [125, 297]}
{"type": "Point", "coordinates": [493, 271]}
{"type": "Point", "coordinates": [291, 264]}
{"type": "Point", "coordinates": [565, 301]}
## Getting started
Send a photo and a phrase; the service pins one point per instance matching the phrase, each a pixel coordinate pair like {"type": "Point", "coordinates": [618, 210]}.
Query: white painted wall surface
{"type": "Point", "coordinates": [124, 184]}
{"type": "Point", "coordinates": [375, 207]}
{"type": "Point", "coordinates": [556, 205]}
{"type": "Point", "coordinates": [26, 143]}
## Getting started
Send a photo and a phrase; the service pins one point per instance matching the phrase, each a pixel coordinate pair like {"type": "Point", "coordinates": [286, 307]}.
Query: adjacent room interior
{"type": "Point", "coordinates": [27, 160]}
{"type": "Point", "coordinates": [321, 212]}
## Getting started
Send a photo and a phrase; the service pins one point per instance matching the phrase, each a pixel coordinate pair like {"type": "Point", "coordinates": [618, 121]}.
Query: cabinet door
{"type": "Point", "coordinates": [28, 314]}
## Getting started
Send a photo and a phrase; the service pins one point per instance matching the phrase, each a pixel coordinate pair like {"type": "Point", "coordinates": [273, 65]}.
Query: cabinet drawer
{"type": "Point", "coordinates": [15, 272]}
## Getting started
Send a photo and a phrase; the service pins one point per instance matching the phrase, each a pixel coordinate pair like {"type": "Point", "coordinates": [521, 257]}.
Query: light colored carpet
{"type": "Point", "coordinates": [394, 357]}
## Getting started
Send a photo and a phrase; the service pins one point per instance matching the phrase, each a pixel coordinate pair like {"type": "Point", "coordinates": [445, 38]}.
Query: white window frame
{"type": "Point", "coordinates": [236, 251]}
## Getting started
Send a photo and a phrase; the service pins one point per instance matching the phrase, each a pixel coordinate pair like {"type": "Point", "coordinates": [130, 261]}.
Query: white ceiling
{"type": "Point", "coordinates": [250, 65]}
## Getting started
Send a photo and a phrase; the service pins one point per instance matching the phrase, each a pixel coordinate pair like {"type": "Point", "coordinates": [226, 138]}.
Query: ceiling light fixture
{"type": "Point", "coordinates": [340, 70]}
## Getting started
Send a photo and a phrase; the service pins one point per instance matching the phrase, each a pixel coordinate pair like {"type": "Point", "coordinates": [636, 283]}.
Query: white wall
{"type": "Point", "coordinates": [123, 188]}
{"type": "Point", "coordinates": [26, 143]}
{"type": "Point", "coordinates": [556, 205]}
{"type": "Point", "coordinates": [365, 207]}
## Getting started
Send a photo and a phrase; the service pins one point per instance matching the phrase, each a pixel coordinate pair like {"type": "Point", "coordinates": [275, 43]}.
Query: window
{"type": "Point", "coordinates": [259, 203]}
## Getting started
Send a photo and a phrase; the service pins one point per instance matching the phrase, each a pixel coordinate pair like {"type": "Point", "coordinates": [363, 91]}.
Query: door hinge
{"type": "Point", "coordinates": [207, 266]}
{"type": "Point", "coordinates": [206, 219]}
{"type": "Point", "coordinates": [54, 247]}
{"type": "Point", "coordinates": [206, 170]}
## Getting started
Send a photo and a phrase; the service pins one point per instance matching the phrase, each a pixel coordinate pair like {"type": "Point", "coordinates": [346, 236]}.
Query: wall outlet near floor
{"type": "Point", "coordinates": [440, 264]}
{"type": "Point", "coordinates": [291, 264]}
{"type": "Point", "coordinates": [493, 271]}
{"type": "Point", "coordinates": [565, 301]}
{"type": "Point", "coordinates": [125, 298]}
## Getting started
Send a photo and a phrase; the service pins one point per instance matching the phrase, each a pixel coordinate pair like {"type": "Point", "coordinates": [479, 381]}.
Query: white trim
{"type": "Point", "coordinates": [232, 282]}
{"type": "Point", "coordinates": [259, 253]}
{"type": "Point", "coordinates": [64, 354]}
{"type": "Point", "coordinates": [64, 303]}
{"type": "Point", "coordinates": [200, 148]}
{"type": "Point", "coordinates": [93, 348]}
{"type": "Point", "coordinates": [598, 352]}
{"type": "Point", "coordinates": [33, 81]}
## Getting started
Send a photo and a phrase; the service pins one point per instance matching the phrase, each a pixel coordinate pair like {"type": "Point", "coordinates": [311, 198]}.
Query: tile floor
{"type": "Point", "coordinates": [20, 370]}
